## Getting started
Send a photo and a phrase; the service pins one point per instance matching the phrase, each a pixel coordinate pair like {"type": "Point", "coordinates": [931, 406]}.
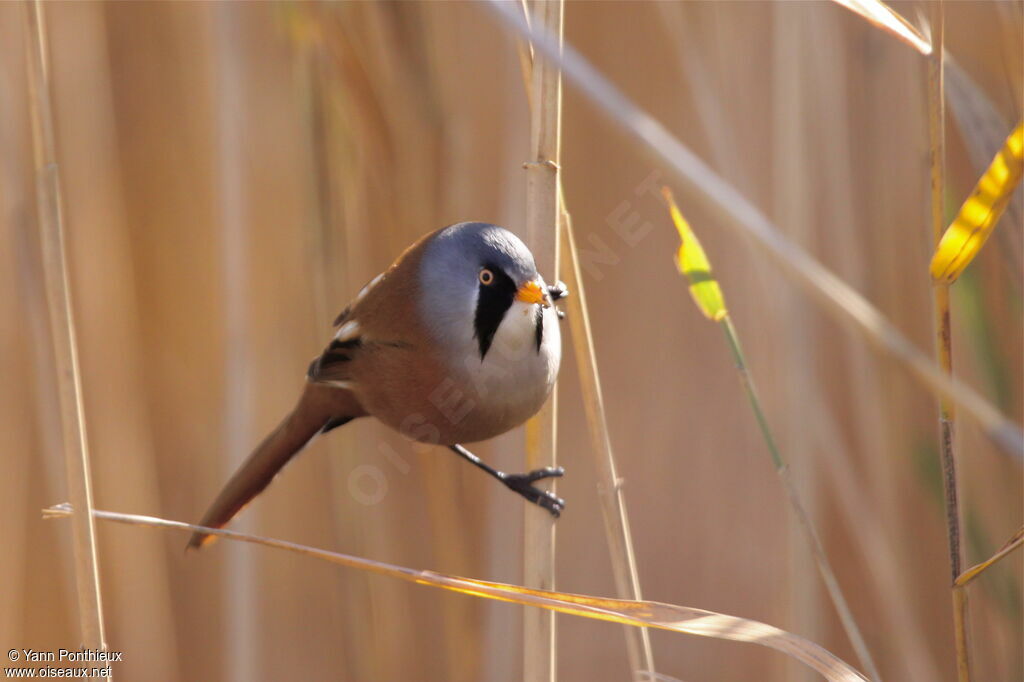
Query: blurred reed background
{"type": "Point", "coordinates": [233, 173]}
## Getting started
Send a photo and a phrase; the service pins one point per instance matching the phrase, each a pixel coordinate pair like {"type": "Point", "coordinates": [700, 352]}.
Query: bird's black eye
{"type": "Point", "coordinates": [486, 277]}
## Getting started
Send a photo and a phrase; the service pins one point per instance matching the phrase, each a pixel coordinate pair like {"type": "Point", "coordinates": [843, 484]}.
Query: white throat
{"type": "Point", "coordinates": [515, 371]}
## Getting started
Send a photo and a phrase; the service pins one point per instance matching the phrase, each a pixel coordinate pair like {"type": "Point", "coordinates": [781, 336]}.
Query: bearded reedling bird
{"type": "Point", "coordinates": [456, 342]}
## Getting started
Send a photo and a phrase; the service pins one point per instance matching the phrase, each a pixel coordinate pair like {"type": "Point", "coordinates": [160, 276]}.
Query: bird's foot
{"type": "Point", "coordinates": [521, 483]}
{"type": "Point", "coordinates": [557, 291]}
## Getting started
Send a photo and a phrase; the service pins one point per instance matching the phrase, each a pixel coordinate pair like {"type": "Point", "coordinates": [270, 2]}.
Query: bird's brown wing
{"type": "Point", "coordinates": [382, 316]}
{"type": "Point", "coordinates": [333, 366]}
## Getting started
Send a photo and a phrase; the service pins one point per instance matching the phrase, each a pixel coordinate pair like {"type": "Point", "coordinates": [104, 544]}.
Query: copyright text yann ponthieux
{"type": "Point", "coordinates": [69, 663]}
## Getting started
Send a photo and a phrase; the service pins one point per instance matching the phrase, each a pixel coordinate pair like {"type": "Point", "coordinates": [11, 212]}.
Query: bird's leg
{"type": "Point", "coordinates": [520, 483]}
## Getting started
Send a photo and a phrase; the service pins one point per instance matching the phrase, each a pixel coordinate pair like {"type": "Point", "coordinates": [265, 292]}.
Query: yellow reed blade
{"type": "Point", "coordinates": [980, 213]}
{"type": "Point", "coordinates": [693, 262]}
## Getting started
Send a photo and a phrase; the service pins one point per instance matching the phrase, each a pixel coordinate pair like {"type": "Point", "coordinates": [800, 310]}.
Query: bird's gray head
{"type": "Point", "coordinates": [470, 276]}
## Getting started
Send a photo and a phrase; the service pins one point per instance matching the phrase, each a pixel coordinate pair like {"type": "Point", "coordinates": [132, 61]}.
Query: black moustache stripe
{"type": "Point", "coordinates": [538, 315]}
{"type": "Point", "coordinates": [493, 302]}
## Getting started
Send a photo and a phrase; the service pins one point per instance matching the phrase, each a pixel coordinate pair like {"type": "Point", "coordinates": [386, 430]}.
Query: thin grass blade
{"type": "Point", "coordinates": [694, 264]}
{"type": "Point", "coordinates": [610, 487]}
{"type": "Point", "coordinates": [71, 422]}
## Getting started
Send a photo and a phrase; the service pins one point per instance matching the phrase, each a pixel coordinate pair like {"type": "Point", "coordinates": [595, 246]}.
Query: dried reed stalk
{"type": "Point", "coordinates": [542, 211]}
{"type": "Point", "coordinates": [239, 574]}
{"type": "Point", "coordinates": [62, 328]}
{"type": "Point", "coordinates": [681, 619]}
{"type": "Point", "coordinates": [613, 503]}
{"type": "Point", "coordinates": [837, 298]}
{"type": "Point", "coordinates": [944, 342]}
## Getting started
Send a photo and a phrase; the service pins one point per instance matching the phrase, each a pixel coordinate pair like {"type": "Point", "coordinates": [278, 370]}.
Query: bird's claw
{"type": "Point", "coordinates": [557, 291]}
{"type": "Point", "coordinates": [521, 483]}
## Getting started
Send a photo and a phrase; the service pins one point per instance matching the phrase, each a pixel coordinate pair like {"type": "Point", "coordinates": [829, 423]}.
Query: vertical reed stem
{"type": "Point", "coordinates": [239, 572]}
{"type": "Point", "coordinates": [613, 503]}
{"type": "Point", "coordinates": [542, 210]}
{"type": "Point", "coordinates": [944, 341]}
{"type": "Point", "coordinates": [62, 329]}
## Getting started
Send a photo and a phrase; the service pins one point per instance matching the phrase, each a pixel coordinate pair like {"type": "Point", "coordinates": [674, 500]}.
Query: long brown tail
{"type": "Point", "coordinates": [320, 408]}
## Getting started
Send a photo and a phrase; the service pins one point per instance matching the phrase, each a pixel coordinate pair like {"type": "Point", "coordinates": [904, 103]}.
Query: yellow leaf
{"type": "Point", "coordinates": [692, 262]}
{"type": "Point", "coordinates": [979, 214]}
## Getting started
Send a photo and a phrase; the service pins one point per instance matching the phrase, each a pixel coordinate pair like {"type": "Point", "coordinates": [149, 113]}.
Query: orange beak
{"type": "Point", "coordinates": [531, 292]}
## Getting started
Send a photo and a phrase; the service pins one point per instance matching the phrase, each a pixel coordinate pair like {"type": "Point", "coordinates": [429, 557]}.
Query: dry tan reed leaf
{"type": "Point", "coordinates": [681, 619]}
{"type": "Point", "coordinates": [1015, 541]}
{"type": "Point", "coordinates": [881, 16]}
